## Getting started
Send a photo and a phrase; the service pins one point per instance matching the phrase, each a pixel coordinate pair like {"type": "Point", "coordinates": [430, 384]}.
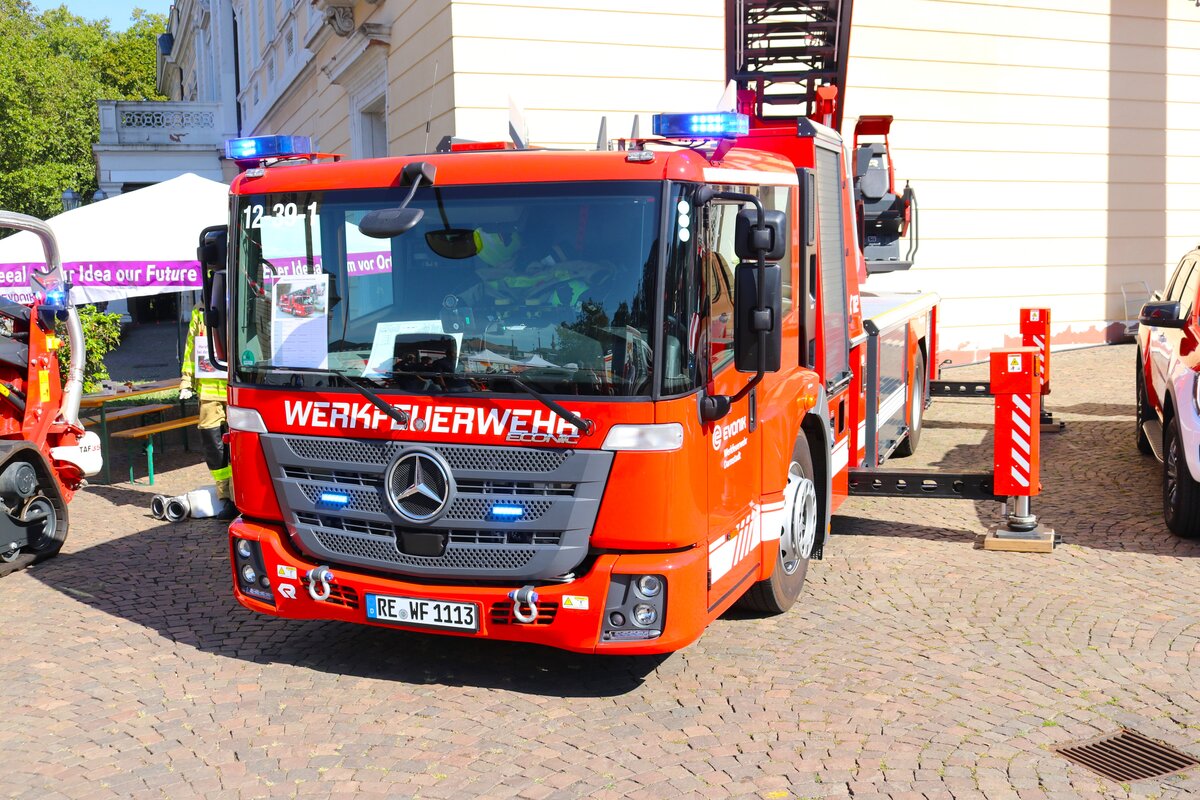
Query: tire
{"type": "Point", "coordinates": [50, 539]}
{"type": "Point", "coordinates": [908, 445]}
{"type": "Point", "coordinates": [803, 512]}
{"type": "Point", "coordinates": [1142, 409]}
{"type": "Point", "coordinates": [1181, 492]}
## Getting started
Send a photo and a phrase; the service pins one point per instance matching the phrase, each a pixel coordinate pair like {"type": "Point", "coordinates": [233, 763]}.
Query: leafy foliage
{"type": "Point", "coordinates": [54, 66]}
{"type": "Point", "coordinates": [101, 334]}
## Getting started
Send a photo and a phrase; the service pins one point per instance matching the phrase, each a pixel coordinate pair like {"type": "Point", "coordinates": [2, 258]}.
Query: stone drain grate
{"type": "Point", "coordinates": [1127, 756]}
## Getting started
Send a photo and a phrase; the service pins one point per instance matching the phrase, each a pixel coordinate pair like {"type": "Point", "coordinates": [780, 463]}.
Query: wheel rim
{"type": "Point", "coordinates": [40, 509]}
{"type": "Point", "coordinates": [916, 405]}
{"type": "Point", "coordinates": [1171, 483]}
{"type": "Point", "coordinates": [799, 534]}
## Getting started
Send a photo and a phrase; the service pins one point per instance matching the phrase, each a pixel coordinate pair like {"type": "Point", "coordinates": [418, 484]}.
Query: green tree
{"type": "Point", "coordinates": [54, 66]}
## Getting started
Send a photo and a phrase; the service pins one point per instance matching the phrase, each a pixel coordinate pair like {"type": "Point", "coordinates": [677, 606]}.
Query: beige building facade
{"type": "Point", "coordinates": [1053, 144]}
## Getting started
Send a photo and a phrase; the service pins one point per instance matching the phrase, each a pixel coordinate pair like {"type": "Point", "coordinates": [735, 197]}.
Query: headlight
{"type": "Point", "coordinates": [644, 615]}
{"type": "Point", "coordinates": [244, 419]}
{"type": "Point", "coordinates": [649, 585]}
{"type": "Point", "coordinates": [244, 549]}
{"type": "Point", "coordinates": [248, 574]}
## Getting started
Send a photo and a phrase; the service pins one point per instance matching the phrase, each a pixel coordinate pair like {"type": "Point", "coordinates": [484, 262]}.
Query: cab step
{"type": "Point", "coordinates": [1154, 432]}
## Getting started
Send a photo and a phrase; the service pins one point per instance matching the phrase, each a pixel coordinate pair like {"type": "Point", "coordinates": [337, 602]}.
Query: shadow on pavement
{"type": "Point", "coordinates": [175, 579]}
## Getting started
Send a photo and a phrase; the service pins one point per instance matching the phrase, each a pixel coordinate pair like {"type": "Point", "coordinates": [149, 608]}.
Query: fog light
{"type": "Point", "coordinates": [265, 582]}
{"type": "Point", "coordinates": [248, 574]}
{"type": "Point", "coordinates": [244, 549]}
{"type": "Point", "coordinates": [617, 619]}
{"type": "Point", "coordinates": [649, 585]}
{"type": "Point", "coordinates": [644, 615]}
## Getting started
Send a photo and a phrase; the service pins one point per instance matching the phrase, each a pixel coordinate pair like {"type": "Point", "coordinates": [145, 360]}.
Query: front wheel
{"type": "Point", "coordinates": [1181, 492]}
{"type": "Point", "coordinates": [1142, 409]}
{"type": "Point", "coordinates": [797, 538]}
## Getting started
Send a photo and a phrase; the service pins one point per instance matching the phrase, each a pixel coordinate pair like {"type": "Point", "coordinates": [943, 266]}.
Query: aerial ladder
{"type": "Point", "coordinates": [788, 59]}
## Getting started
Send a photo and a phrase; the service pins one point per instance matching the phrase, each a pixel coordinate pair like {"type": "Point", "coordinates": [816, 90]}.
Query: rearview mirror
{"type": "Point", "coordinates": [750, 320]}
{"type": "Point", "coordinates": [749, 241]}
{"type": "Point", "coordinates": [453, 242]}
{"type": "Point", "coordinates": [1163, 314]}
{"type": "Point", "coordinates": [385, 223]}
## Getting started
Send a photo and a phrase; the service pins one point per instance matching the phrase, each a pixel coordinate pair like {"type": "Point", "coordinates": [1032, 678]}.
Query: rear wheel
{"type": "Point", "coordinates": [1181, 492]}
{"type": "Point", "coordinates": [797, 538]}
{"type": "Point", "coordinates": [908, 445]}
{"type": "Point", "coordinates": [1142, 409]}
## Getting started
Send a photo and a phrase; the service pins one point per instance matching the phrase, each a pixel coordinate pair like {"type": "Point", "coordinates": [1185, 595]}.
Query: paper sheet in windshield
{"type": "Point", "coordinates": [383, 346]}
{"type": "Point", "coordinates": [299, 322]}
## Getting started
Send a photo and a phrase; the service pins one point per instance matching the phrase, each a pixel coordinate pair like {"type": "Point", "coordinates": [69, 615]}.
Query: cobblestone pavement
{"type": "Point", "coordinates": [916, 665]}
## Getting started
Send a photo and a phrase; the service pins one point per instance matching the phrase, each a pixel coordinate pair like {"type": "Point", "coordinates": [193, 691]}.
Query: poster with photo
{"type": "Point", "coordinates": [203, 366]}
{"type": "Point", "coordinates": [299, 322]}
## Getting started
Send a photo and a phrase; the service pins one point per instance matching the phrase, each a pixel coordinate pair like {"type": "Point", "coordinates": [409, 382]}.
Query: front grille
{"type": "Point", "coordinates": [360, 499]}
{"type": "Point", "coordinates": [342, 596]}
{"type": "Point", "coordinates": [552, 497]}
{"type": "Point", "coordinates": [478, 509]}
{"type": "Point", "coordinates": [469, 459]}
{"type": "Point", "coordinates": [503, 488]}
{"type": "Point", "coordinates": [501, 614]}
{"type": "Point", "coordinates": [383, 551]}
{"type": "Point", "coordinates": [333, 476]}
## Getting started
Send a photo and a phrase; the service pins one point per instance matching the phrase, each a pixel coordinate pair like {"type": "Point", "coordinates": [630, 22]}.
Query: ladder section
{"type": "Point", "coordinates": [782, 50]}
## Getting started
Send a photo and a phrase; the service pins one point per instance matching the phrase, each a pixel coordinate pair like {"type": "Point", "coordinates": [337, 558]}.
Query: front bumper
{"type": "Point", "coordinates": [573, 624]}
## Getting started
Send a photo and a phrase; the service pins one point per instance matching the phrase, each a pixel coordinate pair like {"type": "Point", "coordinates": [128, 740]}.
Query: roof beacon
{"type": "Point", "coordinates": [714, 125]}
{"type": "Point", "coordinates": [257, 148]}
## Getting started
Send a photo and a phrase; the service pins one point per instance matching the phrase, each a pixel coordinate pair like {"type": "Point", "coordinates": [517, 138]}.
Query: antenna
{"type": "Point", "coordinates": [637, 119]}
{"type": "Point", "coordinates": [602, 139]}
{"type": "Point", "coordinates": [518, 131]}
{"type": "Point", "coordinates": [429, 118]}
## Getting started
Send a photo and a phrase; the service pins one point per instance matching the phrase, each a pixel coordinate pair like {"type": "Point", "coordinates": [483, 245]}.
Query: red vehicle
{"type": "Point", "coordinates": [595, 399]}
{"type": "Point", "coordinates": [45, 454]}
{"type": "Point", "coordinates": [298, 304]}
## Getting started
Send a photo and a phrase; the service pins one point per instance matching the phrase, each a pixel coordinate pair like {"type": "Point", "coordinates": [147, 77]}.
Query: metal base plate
{"type": "Point", "coordinates": [1039, 540]}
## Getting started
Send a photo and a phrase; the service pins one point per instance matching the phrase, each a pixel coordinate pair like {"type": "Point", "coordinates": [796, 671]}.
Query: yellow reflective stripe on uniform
{"type": "Point", "coordinates": [222, 474]}
{"type": "Point", "coordinates": [212, 389]}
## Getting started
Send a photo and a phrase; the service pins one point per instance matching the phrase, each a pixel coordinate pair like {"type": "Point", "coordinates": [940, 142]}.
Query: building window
{"type": "Point", "coordinates": [289, 41]}
{"type": "Point", "coordinates": [271, 68]}
{"type": "Point", "coordinates": [373, 129]}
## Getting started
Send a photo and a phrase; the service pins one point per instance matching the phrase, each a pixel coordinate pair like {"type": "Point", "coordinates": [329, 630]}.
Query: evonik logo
{"type": "Point", "coordinates": [723, 433]}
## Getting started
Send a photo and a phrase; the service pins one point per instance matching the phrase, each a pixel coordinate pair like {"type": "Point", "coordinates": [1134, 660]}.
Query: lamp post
{"type": "Point", "coordinates": [71, 200]}
{"type": "Point", "coordinates": [99, 195]}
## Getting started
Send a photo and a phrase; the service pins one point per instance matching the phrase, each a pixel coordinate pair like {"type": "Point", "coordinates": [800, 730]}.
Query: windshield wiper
{"type": "Point", "coordinates": [396, 414]}
{"type": "Point", "coordinates": [585, 426]}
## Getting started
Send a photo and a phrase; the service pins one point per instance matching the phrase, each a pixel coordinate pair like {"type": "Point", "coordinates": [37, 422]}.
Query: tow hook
{"type": "Point", "coordinates": [319, 579]}
{"type": "Point", "coordinates": [527, 596]}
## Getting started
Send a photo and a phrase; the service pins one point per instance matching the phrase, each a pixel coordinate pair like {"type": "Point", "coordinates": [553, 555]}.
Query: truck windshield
{"type": "Point", "coordinates": [553, 283]}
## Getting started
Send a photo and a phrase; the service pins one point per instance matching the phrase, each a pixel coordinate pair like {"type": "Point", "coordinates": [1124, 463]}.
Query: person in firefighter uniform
{"type": "Point", "coordinates": [201, 378]}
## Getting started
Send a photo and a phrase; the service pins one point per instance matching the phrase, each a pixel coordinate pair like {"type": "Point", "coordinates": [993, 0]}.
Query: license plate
{"type": "Point", "coordinates": [423, 613]}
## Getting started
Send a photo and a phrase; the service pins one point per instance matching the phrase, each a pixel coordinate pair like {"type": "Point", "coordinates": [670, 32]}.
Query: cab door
{"type": "Point", "coordinates": [1163, 344]}
{"type": "Point", "coordinates": [734, 457]}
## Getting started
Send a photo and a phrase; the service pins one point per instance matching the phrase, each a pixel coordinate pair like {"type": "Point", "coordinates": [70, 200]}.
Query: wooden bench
{"type": "Point", "coordinates": [126, 413]}
{"type": "Point", "coordinates": [148, 432]}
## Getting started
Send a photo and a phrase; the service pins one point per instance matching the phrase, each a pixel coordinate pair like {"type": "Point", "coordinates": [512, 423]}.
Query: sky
{"type": "Point", "coordinates": [118, 11]}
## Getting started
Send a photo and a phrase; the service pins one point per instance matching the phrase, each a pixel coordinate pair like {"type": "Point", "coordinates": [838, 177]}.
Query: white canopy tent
{"type": "Point", "coordinates": [139, 243]}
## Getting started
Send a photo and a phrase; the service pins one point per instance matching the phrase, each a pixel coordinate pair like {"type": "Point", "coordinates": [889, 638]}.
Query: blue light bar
{"type": "Point", "coordinates": [512, 512]}
{"type": "Point", "coordinates": [713, 125]}
{"type": "Point", "coordinates": [257, 147]}
{"type": "Point", "coordinates": [334, 499]}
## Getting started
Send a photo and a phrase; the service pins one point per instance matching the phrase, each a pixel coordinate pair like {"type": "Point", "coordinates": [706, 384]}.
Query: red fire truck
{"type": "Point", "coordinates": [583, 399]}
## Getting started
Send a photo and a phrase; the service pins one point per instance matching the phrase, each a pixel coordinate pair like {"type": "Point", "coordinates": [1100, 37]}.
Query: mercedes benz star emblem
{"type": "Point", "coordinates": [419, 485]}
